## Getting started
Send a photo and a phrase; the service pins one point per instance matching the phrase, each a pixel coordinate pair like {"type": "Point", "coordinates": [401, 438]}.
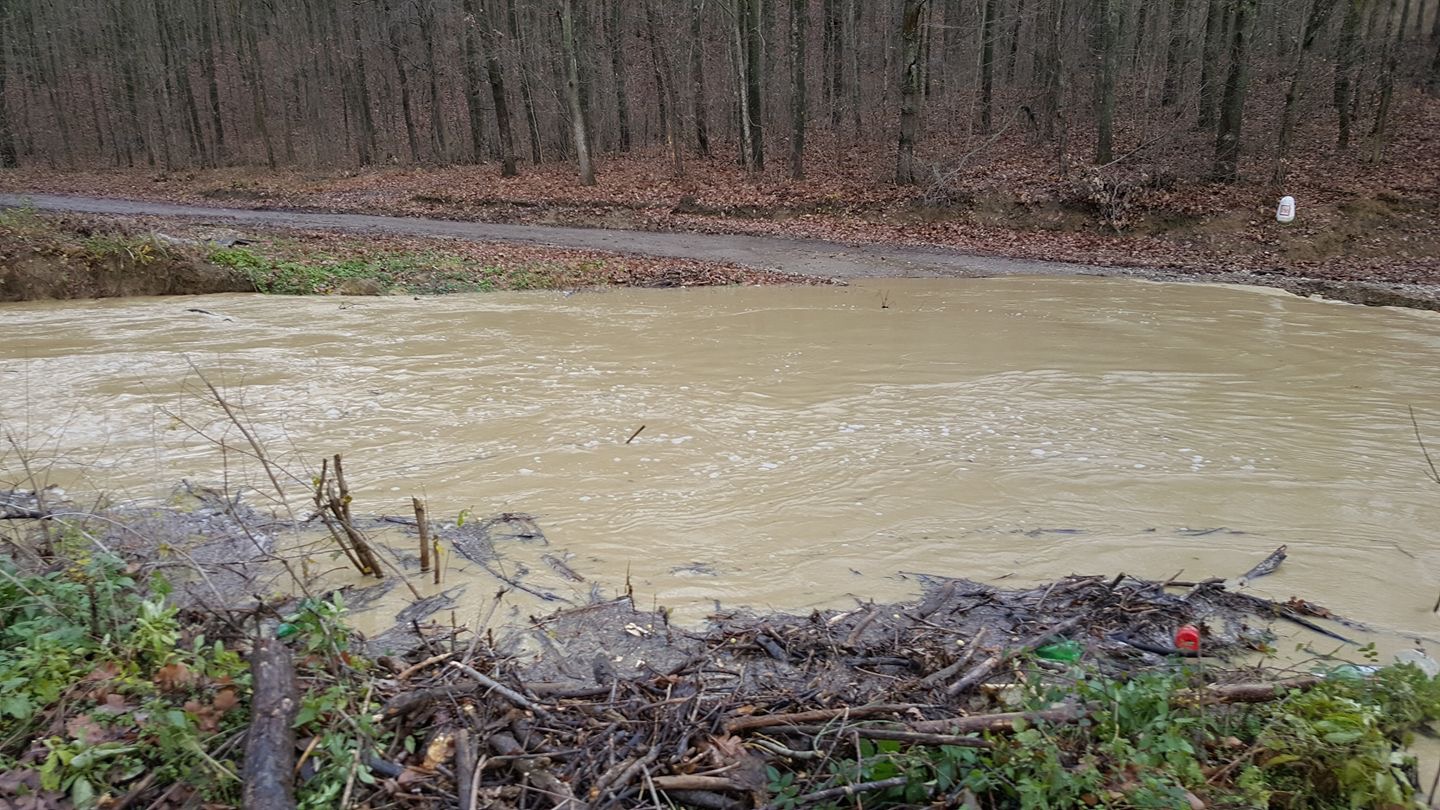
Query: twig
{"type": "Point", "coordinates": [994, 662]}
{"type": "Point", "coordinates": [503, 691]}
{"type": "Point", "coordinates": [633, 435]}
{"type": "Point", "coordinates": [696, 782]}
{"type": "Point", "coordinates": [896, 734]}
{"type": "Point", "coordinates": [1429, 462]}
{"type": "Point", "coordinates": [848, 791]}
{"type": "Point", "coordinates": [861, 626]}
{"type": "Point", "coordinates": [414, 668]}
{"type": "Point", "coordinates": [817, 716]}
{"type": "Point", "coordinates": [424, 526]}
{"type": "Point", "coordinates": [464, 768]}
{"type": "Point", "coordinates": [963, 661]}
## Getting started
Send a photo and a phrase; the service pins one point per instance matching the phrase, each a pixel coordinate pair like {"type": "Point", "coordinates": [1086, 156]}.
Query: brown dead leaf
{"type": "Point", "coordinates": [85, 729]}
{"type": "Point", "coordinates": [440, 749]}
{"type": "Point", "coordinates": [115, 705]}
{"type": "Point", "coordinates": [225, 700]}
{"type": "Point", "coordinates": [174, 677]}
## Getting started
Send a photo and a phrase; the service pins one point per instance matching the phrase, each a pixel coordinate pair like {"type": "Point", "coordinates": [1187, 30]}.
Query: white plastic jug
{"type": "Point", "coordinates": [1285, 214]}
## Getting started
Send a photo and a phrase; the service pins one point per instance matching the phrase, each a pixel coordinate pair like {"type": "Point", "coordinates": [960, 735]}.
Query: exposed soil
{"type": "Point", "coordinates": [39, 263]}
{"type": "Point", "coordinates": [1415, 283]}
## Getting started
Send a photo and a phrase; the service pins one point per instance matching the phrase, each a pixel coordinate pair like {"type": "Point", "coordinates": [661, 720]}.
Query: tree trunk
{"type": "Point", "coordinates": [360, 86]}
{"type": "Point", "coordinates": [1232, 106]}
{"type": "Point", "coordinates": [987, 66]}
{"type": "Point", "coordinates": [799, 30]}
{"type": "Point", "coordinates": [527, 98]}
{"type": "Point", "coordinates": [617, 64]}
{"type": "Point", "coordinates": [167, 20]}
{"type": "Point", "coordinates": [125, 71]}
{"type": "Point", "coordinates": [833, 68]}
{"type": "Point", "coordinates": [1210, 62]}
{"type": "Point", "coordinates": [755, 76]}
{"type": "Point", "coordinates": [495, 72]}
{"type": "Point", "coordinates": [8, 154]}
{"type": "Point", "coordinates": [697, 77]}
{"type": "Point", "coordinates": [1174, 55]}
{"type": "Point", "coordinates": [1052, 102]}
{"type": "Point", "coordinates": [1316, 19]}
{"type": "Point", "coordinates": [407, 106]}
{"type": "Point", "coordinates": [474, 105]}
{"type": "Point", "coordinates": [1434, 84]}
{"type": "Point", "coordinates": [1015, 25]}
{"type": "Point", "coordinates": [269, 772]}
{"type": "Point", "coordinates": [212, 82]}
{"type": "Point", "coordinates": [742, 84]}
{"type": "Point", "coordinates": [254, 71]}
{"type": "Point", "coordinates": [665, 75]}
{"type": "Point", "coordinates": [1345, 66]}
{"type": "Point", "coordinates": [1106, 33]}
{"type": "Point", "coordinates": [906, 172]}
{"type": "Point", "coordinates": [1380, 131]}
{"type": "Point", "coordinates": [440, 140]}
{"type": "Point", "coordinates": [572, 92]}
{"type": "Point", "coordinates": [857, 89]}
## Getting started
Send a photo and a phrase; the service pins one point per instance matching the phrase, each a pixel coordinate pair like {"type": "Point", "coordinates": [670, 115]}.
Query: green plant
{"type": "Point", "coordinates": [143, 251]}
{"type": "Point", "coordinates": [1148, 743]}
{"type": "Point", "coordinates": [89, 649]}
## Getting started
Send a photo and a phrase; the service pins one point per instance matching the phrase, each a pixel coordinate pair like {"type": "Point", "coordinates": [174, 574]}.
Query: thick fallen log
{"type": "Point", "coordinates": [270, 741]}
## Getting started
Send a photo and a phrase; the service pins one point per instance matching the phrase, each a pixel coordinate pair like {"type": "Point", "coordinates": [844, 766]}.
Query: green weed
{"type": "Point", "coordinates": [1147, 744]}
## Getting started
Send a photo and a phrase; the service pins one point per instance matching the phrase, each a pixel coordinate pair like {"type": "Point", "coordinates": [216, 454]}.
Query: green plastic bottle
{"type": "Point", "coordinates": [1067, 652]}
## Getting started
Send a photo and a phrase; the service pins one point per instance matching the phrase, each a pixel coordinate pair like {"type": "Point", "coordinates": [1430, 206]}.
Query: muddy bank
{"type": "Point", "coordinates": [1411, 283]}
{"type": "Point", "coordinates": [67, 257]}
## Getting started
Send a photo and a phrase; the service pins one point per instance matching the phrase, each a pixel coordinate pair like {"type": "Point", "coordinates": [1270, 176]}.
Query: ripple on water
{"type": "Point", "coordinates": [796, 436]}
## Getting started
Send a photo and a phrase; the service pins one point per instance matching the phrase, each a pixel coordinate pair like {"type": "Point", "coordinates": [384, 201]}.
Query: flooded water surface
{"type": "Point", "coordinates": [801, 446]}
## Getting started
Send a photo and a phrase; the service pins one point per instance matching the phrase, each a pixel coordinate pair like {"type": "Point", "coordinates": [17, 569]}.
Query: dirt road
{"type": "Point", "coordinates": [792, 255]}
{"type": "Point", "coordinates": [812, 257]}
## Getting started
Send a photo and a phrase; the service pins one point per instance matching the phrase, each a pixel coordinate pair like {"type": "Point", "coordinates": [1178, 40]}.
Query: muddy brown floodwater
{"type": "Point", "coordinates": [802, 445]}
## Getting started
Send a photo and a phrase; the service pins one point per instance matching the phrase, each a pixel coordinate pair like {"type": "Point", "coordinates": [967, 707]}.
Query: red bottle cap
{"type": "Point", "coordinates": [1188, 638]}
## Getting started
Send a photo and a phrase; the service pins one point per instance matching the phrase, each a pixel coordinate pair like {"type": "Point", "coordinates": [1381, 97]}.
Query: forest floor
{"type": "Point", "coordinates": [1367, 225]}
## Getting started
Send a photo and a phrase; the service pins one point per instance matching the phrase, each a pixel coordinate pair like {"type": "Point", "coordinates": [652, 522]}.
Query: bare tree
{"type": "Point", "coordinates": [8, 155]}
{"type": "Point", "coordinates": [495, 73]}
{"type": "Point", "coordinates": [1232, 106]}
{"type": "Point", "coordinates": [906, 171]}
{"type": "Point", "coordinates": [1174, 54]}
{"type": "Point", "coordinates": [987, 65]}
{"type": "Point", "coordinates": [700, 100]}
{"type": "Point", "coordinates": [1315, 20]}
{"type": "Point", "coordinates": [1345, 65]}
{"type": "Point", "coordinates": [617, 63]}
{"type": "Point", "coordinates": [799, 30]}
{"type": "Point", "coordinates": [1106, 34]}
{"type": "Point", "coordinates": [572, 92]}
{"type": "Point", "coordinates": [1211, 63]}
{"type": "Point", "coordinates": [665, 76]}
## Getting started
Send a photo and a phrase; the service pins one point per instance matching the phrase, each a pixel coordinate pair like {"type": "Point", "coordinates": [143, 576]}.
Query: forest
{"type": "Point", "coordinates": [768, 83]}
